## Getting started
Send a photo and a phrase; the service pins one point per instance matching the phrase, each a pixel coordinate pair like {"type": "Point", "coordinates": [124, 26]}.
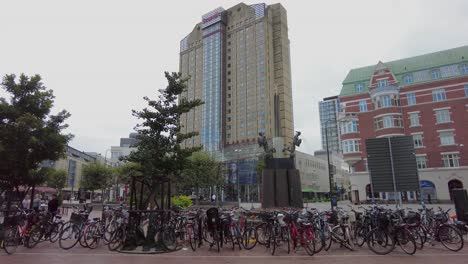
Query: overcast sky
{"type": "Point", "coordinates": [102, 57]}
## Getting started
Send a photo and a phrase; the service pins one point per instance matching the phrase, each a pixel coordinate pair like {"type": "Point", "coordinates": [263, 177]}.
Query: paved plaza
{"type": "Point", "coordinates": [46, 253]}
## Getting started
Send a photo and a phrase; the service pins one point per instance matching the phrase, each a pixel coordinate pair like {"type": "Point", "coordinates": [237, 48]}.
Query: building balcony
{"type": "Point", "coordinates": [389, 132]}
{"type": "Point", "coordinates": [352, 157]}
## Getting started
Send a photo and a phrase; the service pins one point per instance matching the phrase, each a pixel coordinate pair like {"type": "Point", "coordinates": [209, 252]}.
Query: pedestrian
{"type": "Point", "coordinates": [429, 198]}
{"type": "Point", "coordinates": [53, 205]}
{"type": "Point", "coordinates": [213, 197]}
{"type": "Point", "coordinates": [26, 202]}
{"type": "Point", "coordinates": [36, 202]}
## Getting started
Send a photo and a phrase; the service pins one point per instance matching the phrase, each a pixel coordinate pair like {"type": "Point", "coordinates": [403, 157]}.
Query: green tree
{"type": "Point", "coordinates": [96, 176]}
{"type": "Point", "coordinates": [203, 171]}
{"type": "Point", "coordinates": [126, 171]}
{"type": "Point", "coordinates": [57, 179]}
{"type": "Point", "coordinates": [29, 133]}
{"type": "Point", "coordinates": [159, 151]}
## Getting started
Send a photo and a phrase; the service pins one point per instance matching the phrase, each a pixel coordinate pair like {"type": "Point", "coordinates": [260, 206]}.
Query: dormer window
{"type": "Point", "coordinates": [359, 87]}
{"type": "Point", "coordinates": [382, 83]}
{"type": "Point", "coordinates": [435, 74]}
{"type": "Point", "coordinates": [408, 79]}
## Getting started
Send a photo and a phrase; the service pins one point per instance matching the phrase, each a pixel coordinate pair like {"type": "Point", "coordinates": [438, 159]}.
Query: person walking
{"type": "Point", "coordinates": [36, 202]}
{"type": "Point", "coordinates": [26, 203]}
{"type": "Point", "coordinates": [53, 205]}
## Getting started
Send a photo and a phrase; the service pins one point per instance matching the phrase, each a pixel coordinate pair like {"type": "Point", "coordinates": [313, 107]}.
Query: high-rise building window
{"type": "Point", "coordinates": [447, 138]}
{"type": "Point", "coordinates": [435, 74]}
{"type": "Point", "coordinates": [421, 162]}
{"type": "Point", "coordinates": [451, 160]}
{"type": "Point", "coordinates": [442, 116]}
{"type": "Point", "coordinates": [414, 119]}
{"type": "Point", "coordinates": [382, 83]}
{"type": "Point", "coordinates": [351, 145]}
{"type": "Point", "coordinates": [438, 95]}
{"type": "Point", "coordinates": [418, 141]}
{"type": "Point", "coordinates": [363, 106]}
{"type": "Point", "coordinates": [411, 99]}
{"type": "Point", "coordinates": [408, 79]}
{"type": "Point", "coordinates": [359, 87]}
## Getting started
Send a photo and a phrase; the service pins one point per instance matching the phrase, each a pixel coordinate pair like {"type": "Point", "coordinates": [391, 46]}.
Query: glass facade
{"type": "Point", "coordinates": [329, 109]}
{"type": "Point", "coordinates": [212, 87]}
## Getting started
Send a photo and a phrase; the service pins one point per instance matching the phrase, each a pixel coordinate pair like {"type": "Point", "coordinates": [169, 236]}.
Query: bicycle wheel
{"type": "Point", "coordinates": [117, 239]}
{"type": "Point", "coordinates": [249, 238]}
{"type": "Point", "coordinates": [348, 240]}
{"type": "Point", "coordinates": [418, 238]}
{"type": "Point", "coordinates": [406, 241]}
{"type": "Point", "coordinates": [35, 236]}
{"type": "Point", "coordinates": [55, 231]}
{"type": "Point", "coordinates": [262, 235]}
{"type": "Point", "coordinates": [109, 230]}
{"type": "Point", "coordinates": [360, 235]}
{"type": "Point", "coordinates": [69, 236]}
{"type": "Point", "coordinates": [307, 241]}
{"type": "Point", "coordinates": [272, 241]}
{"type": "Point", "coordinates": [191, 236]}
{"type": "Point", "coordinates": [169, 239]}
{"type": "Point", "coordinates": [450, 237]}
{"type": "Point", "coordinates": [11, 240]}
{"type": "Point", "coordinates": [319, 240]}
{"type": "Point", "coordinates": [333, 234]}
{"type": "Point", "coordinates": [92, 235]}
{"type": "Point", "coordinates": [286, 238]}
{"type": "Point", "coordinates": [380, 242]}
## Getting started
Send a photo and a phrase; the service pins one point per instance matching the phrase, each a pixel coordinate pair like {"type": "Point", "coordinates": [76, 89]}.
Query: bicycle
{"type": "Point", "coordinates": [16, 234]}
{"type": "Point", "coordinates": [304, 235]}
{"type": "Point", "coordinates": [341, 232]}
{"type": "Point", "coordinates": [390, 232]}
{"type": "Point", "coordinates": [72, 231]}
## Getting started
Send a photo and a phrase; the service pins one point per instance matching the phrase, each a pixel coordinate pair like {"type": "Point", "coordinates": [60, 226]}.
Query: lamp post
{"type": "Point", "coordinates": [238, 151]}
{"type": "Point", "coordinates": [330, 174]}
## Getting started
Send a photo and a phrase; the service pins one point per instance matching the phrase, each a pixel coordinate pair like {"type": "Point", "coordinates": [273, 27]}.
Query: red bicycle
{"type": "Point", "coordinates": [302, 232]}
{"type": "Point", "coordinates": [16, 234]}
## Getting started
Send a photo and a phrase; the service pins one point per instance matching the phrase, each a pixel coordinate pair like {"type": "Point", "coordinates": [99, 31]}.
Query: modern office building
{"type": "Point", "coordinates": [314, 174]}
{"type": "Point", "coordinates": [73, 163]}
{"type": "Point", "coordinates": [127, 145]}
{"type": "Point", "coordinates": [424, 96]}
{"type": "Point", "coordinates": [328, 110]}
{"type": "Point", "coordinates": [238, 61]}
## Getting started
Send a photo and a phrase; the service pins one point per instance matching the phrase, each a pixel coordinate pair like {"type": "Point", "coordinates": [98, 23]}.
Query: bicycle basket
{"type": "Point", "coordinates": [332, 218]}
{"type": "Point", "coordinates": [382, 219]}
{"type": "Point", "coordinates": [212, 218]}
{"type": "Point", "coordinates": [77, 218]}
{"type": "Point", "coordinates": [440, 217]}
{"type": "Point", "coordinates": [413, 218]}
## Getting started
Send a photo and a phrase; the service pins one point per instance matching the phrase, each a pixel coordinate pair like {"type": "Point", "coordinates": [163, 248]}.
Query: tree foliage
{"type": "Point", "coordinates": [126, 171]}
{"type": "Point", "coordinates": [29, 133]}
{"type": "Point", "coordinates": [202, 171]}
{"type": "Point", "coordinates": [57, 179]}
{"type": "Point", "coordinates": [95, 176]}
{"type": "Point", "coordinates": [159, 151]}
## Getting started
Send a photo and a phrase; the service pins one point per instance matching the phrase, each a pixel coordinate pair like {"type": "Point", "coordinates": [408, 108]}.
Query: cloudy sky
{"type": "Point", "coordinates": [102, 57]}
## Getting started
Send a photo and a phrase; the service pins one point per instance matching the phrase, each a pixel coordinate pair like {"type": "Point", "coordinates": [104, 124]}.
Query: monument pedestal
{"type": "Point", "coordinates": [281, 184]}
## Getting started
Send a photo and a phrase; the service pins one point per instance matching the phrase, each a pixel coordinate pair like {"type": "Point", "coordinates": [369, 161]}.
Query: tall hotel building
{"type": "Point", "coordinates": [425, 97]}
{"type": "Point", "coordinates": [238, 61]}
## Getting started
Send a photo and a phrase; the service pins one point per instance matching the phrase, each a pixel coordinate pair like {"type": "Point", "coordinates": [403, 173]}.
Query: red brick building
{"type": "Point", "coordinates": [424, 96]}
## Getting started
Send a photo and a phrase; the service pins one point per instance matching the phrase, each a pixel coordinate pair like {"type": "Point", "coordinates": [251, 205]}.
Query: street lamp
{"type": "Point", "coordinates": [238, 151]}
{"type": "Point", "coordinates": [330, 175]}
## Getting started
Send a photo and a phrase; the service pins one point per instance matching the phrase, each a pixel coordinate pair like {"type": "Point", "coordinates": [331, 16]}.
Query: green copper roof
{"type": "Point", "coordinates": [403, 66]}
